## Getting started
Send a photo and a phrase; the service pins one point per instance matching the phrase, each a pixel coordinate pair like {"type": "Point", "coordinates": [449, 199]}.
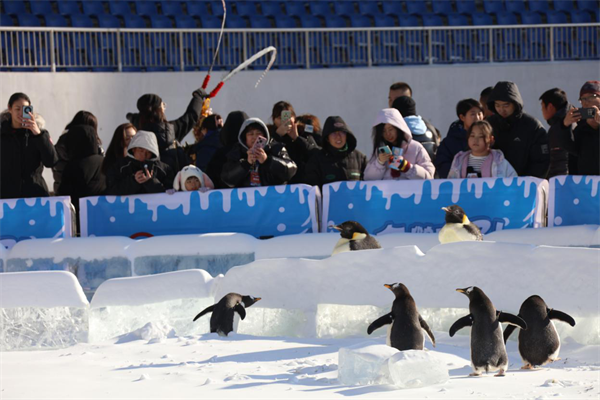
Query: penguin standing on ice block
{"type": "Point", "coordinates": [406, 324]}
{"type": "Point", "coordinates": [223, 313]}
{"type": "Point", "coordinates": [488, 352]}
{"type": "Point", "coordinates": [353, 237]}
{"type": "Point", "coordinates": [540, 343]}
{"type": "Point", "coordinates": [458, 228]}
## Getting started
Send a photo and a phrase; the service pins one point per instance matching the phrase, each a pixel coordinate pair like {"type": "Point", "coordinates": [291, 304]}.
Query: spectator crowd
{"type": "Point", "coordinates": [492, 137]}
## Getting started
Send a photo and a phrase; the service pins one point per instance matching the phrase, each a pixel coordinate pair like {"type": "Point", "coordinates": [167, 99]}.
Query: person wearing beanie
{"type": "Point", "coordinates": [580, 134]}
{"type": "Point", "coordinates": [256, 160]}
{"type": "Point", "coordinates": [191, 178]}
{"type": "Point", "coordinates": [152, 118]}
{"type": "Point", "coordinates": [391, 131]}
{"type": "Point", "coordinates": [141, 171]}
{"type": "Point", "coordinates": [338, 160]}
{"type": "Point", "coordinates": [422, 131]}
{"type": "Point", "coordinates": [521, 137]}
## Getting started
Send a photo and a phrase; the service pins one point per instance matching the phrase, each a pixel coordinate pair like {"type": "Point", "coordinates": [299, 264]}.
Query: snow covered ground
{"type": "Point", "coordinates": [136, 339]}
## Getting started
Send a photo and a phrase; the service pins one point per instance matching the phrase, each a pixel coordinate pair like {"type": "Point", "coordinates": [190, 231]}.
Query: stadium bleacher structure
{"type": "Point", "coordinates": [447, 45]}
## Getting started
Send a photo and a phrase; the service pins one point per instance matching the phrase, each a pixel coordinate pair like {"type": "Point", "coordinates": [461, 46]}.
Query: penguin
{"type": "Point", "coordinates": [540, 343]}
{"type": "Point", "coordinates": [222, 319]}
{"type": "Point", "coordinates": [406, 324]}
{"type": "Point", "coordinates": [458, 228]}
{"type": "Point", "coordinates": [353, 237]}
{"type": "Point", "coordinates": [488, 352]}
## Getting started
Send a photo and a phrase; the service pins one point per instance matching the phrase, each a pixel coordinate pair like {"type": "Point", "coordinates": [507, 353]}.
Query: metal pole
{"type": "Point", "coordinates": [119, 55]}
{"type": "Point", "coordinates": [369, 50]}
{"type": "Point", "coordinates": [551, 43]}
{"type": "Point", "coordinates": [307, 49]}
{"type": "Point", "coordinates": [181, 58]}
{"type": "Point", "coordinates": [429, 46]}
{"type": "Point", "coordinates": [52, 54]}
{"type": "Point", "coordinates": [491, 45]}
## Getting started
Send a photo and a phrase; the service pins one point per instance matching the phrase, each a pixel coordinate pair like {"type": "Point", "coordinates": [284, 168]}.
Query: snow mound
{"type": "Point", "coordinates": [417, 368]}
{"type": "Point", "coordinates": [152, 331]}
{"type": "Point", "coordinates": [44, 289]}
{"type": "Point", "coordinates": [365, 363]}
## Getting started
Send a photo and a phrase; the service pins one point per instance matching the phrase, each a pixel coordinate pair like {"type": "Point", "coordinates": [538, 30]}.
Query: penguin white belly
{"type": "Point", "coordinates": [236, 321]}
{"type": "Point", "coordinates": [388, 339]}
{"type": "Point", "coordinates": [554, 355]}
{"type": "Point", "coordinates": [454, 233]}
{"type": "Point", "coordinates": [341, 246]}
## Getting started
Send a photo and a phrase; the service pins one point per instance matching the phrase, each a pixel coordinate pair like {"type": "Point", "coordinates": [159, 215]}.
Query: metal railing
{"type": "Point", "coordinates": [55, 49]}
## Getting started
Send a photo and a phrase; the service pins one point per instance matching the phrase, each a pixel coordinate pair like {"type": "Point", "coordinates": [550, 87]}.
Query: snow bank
{"type": "Point", "coordinates": [149, 289]}
{"type": "Point", "coordinates": [364, 363]}
{"type": "Point", "coordinates": [581, 236]}
{"type": "Point", "coordinates": [417, 368]}
{"type": "Point", "coordinates": [210, 243]}
{"type": "Point", "coordinates": [44, 289]}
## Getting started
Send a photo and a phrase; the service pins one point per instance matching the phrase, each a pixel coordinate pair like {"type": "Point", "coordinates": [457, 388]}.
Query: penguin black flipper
{"type": "Point", "coordinates": [561, 316]}
{"type": "Point", "coordinates": [508, 331]}
{"type": "Point", "coordinates": [240, 310]}
{"type": "Point", "coordinates": [425, 327]}
{"type": "Point", "coordinates": [474, 230]}
{"type": "Point", "coordinates": [379, 322]}
{"type": "Point", "coordinates": [205, 311]}
{"type": "Point", "coordinates": [463, 322]}
{"type": "Point", "coordinates": [507, 318]}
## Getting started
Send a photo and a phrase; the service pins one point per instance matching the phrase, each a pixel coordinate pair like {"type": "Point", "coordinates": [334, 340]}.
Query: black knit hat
{"type": "Point", "coordinates": [148, 102]}
{"type": "Point", "coordinates": [335, 124]}
{"type": "Point", "coordinates": [406, 105]}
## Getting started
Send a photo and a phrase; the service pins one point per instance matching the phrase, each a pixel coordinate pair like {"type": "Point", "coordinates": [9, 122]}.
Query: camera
{"type": "Point", "coordinates": [26, 111]}
{"type": "Point", "coordinates": [587, 113]}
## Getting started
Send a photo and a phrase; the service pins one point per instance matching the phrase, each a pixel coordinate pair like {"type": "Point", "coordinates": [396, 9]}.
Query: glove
{"type": "Point", "coordinates": [201, 93]}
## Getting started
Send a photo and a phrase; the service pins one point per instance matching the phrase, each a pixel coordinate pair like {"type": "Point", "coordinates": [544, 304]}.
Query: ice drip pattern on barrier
{"type": "Point", "coordinates": [574, 200]}
{"type": "Point", "coordinates": [264, 211]}
{"type": "Point", "coordinates": [415, 206]}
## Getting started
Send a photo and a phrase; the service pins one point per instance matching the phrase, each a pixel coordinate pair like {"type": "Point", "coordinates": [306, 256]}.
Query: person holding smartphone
{"type": "Point", "coordinates": [25, 149]}
{"type": "Point", "coordinates": [580, 133]}
{"type": "Point", "coordinates": [256, 160]}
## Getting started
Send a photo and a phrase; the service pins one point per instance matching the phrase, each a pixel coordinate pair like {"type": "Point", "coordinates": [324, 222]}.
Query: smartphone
{"type": "Point", "coordinates": [309, 129]}
{"type": "Point", "coordinates": [384, 150]}
{"type": "Point", "coordinates": [260, 143]}
{"type": "Point", "coordinates": [286, 116]}
{"type": "Point", "coordinates": [146, 170]}
{"type": "Point", "coordinates": [586, 113]}
{"type": "Point", "coordinates": [26, 111]}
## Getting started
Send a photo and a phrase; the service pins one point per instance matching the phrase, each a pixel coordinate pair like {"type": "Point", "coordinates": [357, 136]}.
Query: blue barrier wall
{"type": "Point", "coordinates": [262, 211]}
{"type": "Point", "coordinates": [35, 218]}
{"type": "Point", "coordinates": [415, 206]}
{"type": "Point", "coordinates": [574, 200]}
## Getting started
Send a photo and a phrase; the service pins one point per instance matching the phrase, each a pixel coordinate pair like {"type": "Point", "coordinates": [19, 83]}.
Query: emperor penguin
{"type": "Point", "coordinates": [406, 324]}
{"type": "Point", "coordinates": [540, 343]}
{"type": "Point", "coordinates": [353, 237]}
{"type": "Point", "coordinates": [458, 228]}
{"type": "Point", "coordinates": [488, 352]}
{"type": "Point", "coordinates": [223, 313]}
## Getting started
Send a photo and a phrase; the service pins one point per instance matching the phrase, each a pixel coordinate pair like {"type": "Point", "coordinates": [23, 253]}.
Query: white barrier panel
{"type": "Point", "coordinates": [42, 289]}
{"type": "Point", "coordinates": [574, 200]}
{"type": "Point", "coordinates": [415, 206]}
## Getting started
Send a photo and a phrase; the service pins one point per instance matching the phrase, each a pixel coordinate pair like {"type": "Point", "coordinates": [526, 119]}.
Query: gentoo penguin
{"type": "Point", "coordinates": [221, 321]}
{"type": "Point", "coordinates": [353, 237]}
{"type": "Point", "coordinates": [407, 325]}
{"type": "Point", "coordinates": [488, 352]}
{"type": "Point", "coordinates": [458, 228]}
{"type": "Point", "coordinates": [540, 343]}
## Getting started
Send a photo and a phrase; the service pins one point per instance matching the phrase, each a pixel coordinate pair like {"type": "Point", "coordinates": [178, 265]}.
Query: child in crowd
{"type": "Point", "coordinates": [481, 161]}
{"type": "Point", "coordinates": [192, 178]}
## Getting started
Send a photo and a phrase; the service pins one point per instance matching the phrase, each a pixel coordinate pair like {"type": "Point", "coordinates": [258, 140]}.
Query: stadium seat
{"type": "Point", "coordinates": [344, 7]}
{"type": "Point", "coordinates": [246, 8]}
{"type": "Point", "coordinates": [494, 6]}
{"type": "Point", "coordinates": [531, 18]}
{"type": "Point", "coordinates": [146, 8]}
{"type": "Point", "coordinates": [516, 6]}
{"type": "Point", "coordinates": [556, 17]}
{"type": "Point", "coordinates": [581, 17]}
{"type": "Point", "coordinates": [14, 7]}
{"type": "Point", "coordinates": [442, 7]}
{"type": "Point", "coordinates": [81, 21]}
{"type": "Point", "coordinates": [295, 8]}
{"type": "Point", "coordinates": [564, 5]}
{"type": "Point", "coordinates": [466, 6]}
{"type": "Point", "coordinates": [271, 8]}
{"type": "Point", "coordinates": [506, 18]}
{"type": "Point", "coordinates": [456, 19]}
{"type": "Point", "coordinates": [432, 20]}
{"type": "Point", "coordinates": [260, 22]}
{"type": "Point", "coordinates": [322, 8]}
{"type": "Point", "coordinates": [135, 21]}
{"type": "Point", "coordinates": [408, 20]}
{"type": "Point", "coordinates": [67, 7]}
{"type": "Point", "coordinates": [41, 7]}
{"type": "Point", "coordinates": [160, 21]}
{"type": "Point", "coordinates": [540, 6]}
{"type": "Point", "coordinates": [416, 7]}
{"type": "Point", "coordinates": [108, 21]}
{"type": "Point", "coordinates": [590, 5]}
{"type": "Point", "coordinates": [392, 7]}
{"type": "Point", "coordinates": [481, 19]}
{"type": "Point", "coordinates": [384, 21]}
{"type": "Point", "coordinates": [55, 20]}
{"type": "Point", "coordinates": [198, 9]}
{"type": "Point", "coordinates": [235, 22]}
{"type": "Point", "coordinates": [310, 21]}
{"type": "Point", "coordinates": [360, 21]}
{"type": "Point", "coordinates": [211, 22]}
{"type": "Point", "coordinates": [172, 9]}
{"type": "Point", "coordinates": [93, 8]}
{"type": "Point", "coordinates": [285, 22]}
{"type": "Point", "coordinates": [117, 7]}
{"type": "Point", "coordinates": [26, 19]}
{"type": "Point", "coordinates": [185, 22]}
{"type": "Point", "coordinates": [335, 21]}
{"type": "Point", "coordinates": [368, 7]}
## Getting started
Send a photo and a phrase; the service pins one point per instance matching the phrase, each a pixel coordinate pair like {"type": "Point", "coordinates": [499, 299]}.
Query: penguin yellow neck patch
{"type": "Point", "coordinates": [358, 236]}
{"type": "Point", "coordinates": [466, 220]}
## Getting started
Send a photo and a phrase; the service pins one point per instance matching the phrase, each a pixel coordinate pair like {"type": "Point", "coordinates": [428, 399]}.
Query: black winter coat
{"type": "Point", "coordinates": [559, 157]}
{"type": "Point", "coordinates": [454, 142]}
{"type": "Point", "coordinates": [277, 170]}
{"type": "Point", "coordinates": [206, 149]}
{"type": "Point", "coordinates": [120, 179]}
{"type": "Point", "coordinates": [521, 137]}
{"type": "Point", "coordinates": [300, 151]}
{"type": "Point", "coordinates": [585, 145]}
{"type": "Point", "coordinates": [23, 157]}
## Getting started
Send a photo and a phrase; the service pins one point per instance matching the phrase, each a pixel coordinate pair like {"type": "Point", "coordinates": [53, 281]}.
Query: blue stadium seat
{"type": "Point", "coordinates": [81, 21]}
{"type": "Point", "coordinates": [581, 17]}
{"type": "Point", "coordinates": [7, 20]}
{"type": "Point", "coordinates": [271, 8]}
{"type": "Point", "coordinates": [368, 7]}
{"type": "Point", "coordinates": [235, 22]}
{"type": "Point", "coordinates": [506, 18]}
{"type": "Point", "coordinates": [360, 21]}
{"type": "Point", "coordinates": [198, 8]}
{"type": "Point", "coordinates": [564, 5]}
{"type": "Point", "coordinates": [135, 21]}
{"type": "Point", "coordinates": [384, 21]}
{"type": "Point", "coordinates": [456, 19]}
{"type": "Point", "coordinates": [43, 7]}
{"type": "Point", "coordinates": [310, 21]}
{"type": "Point", "coordinates": [516, 6]}
{"type": "Point", "coordinates": [540, 6]}
{"type": "Point", "coordinates": [117, 7]}
{"type": "Point", "coordinates": [211, 22]}
{"type": "Point", "coordinates": [531, 18]}
{"type": "Point", "coordinates": [146, 8]}
{"type": "Point", "coordinates": [185, 22]}
{"type": "Point", "coordinates": [172, 8]}
{"type": "Point", "coordinates": [246, 8]}
{"type": "Point", "coordinates": [67, 7]}
{"type": "Point", "coordinates": [466, 6]}
{"type": "Point", "coordinates": [26, 19]}
{"type": "Point", "coordinates": [442, 7]}
{"type": "Point", "coordinates": [344, 7]}
{"type": "Point", "coordinates": [590, 5]}
{"type": "Point", "coordinates": [556, 17]}
{"type": "Point", "coordinates": [392, 7]}
{"type": "Point", "coordinates": [217, 8]}
{"type": "Point", "coordinates": [14, 7]}
{"type": "Point", "coordinates": [335, 21]}
{"type": "Point", "coordinates": [481, 19]}
{"type": "Point", "coordinates": [408, 20]}
{"type": "Point", "coordinates": [285, 22]}
{"type": "Point", "coordinates": [55, 20]}
{"type": "Point", "coordinates": [416, 7]}
{"type": "Point", "coordinates": [260, 22]}
{"type": "Point", "coordinates": [160, 21]}
{"type": "Point", "coordinates": [494, 6]}
{"type": "Point", "coordinates": [322, 8]}
{"type": "Point", "coordinates": [93, 8]}
{"type": "Point", "coordinates": [432, 20]}
{"type": "Point", "coordinates": [108, 21]}
{"type": "Point", "coordinates": [295, 8]}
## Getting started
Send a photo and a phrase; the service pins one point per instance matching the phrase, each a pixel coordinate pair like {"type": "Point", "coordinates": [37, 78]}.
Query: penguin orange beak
{"type": "Point", "coordinates": [337, 228]}
{"type": "Point", "coordinates": [445, 209]}
{"type": "Point", "coordinates": [257, 299]}
{"type": "Point", "coordinates": [463, 291]}
{"type": "Point", "coordinates": [388, 286]}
